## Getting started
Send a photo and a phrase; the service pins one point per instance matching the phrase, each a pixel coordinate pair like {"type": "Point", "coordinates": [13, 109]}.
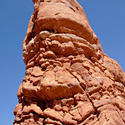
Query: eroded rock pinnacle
{"type": "Point", "coordinates": [69, 80]}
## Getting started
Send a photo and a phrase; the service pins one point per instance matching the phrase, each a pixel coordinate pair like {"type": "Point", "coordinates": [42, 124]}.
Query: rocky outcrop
{"type": "Point", "coordinates": [69, 80]}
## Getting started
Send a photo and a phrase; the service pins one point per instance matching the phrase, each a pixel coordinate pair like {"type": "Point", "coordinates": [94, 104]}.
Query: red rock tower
{"type": "Point", "coordinates": [69, 80]}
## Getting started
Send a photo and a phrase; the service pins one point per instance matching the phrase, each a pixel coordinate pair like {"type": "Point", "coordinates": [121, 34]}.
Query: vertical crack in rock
{"type": "Point", "coordinates": [95, 110]}
{"type": "Point", "coordinates": [69, 80]}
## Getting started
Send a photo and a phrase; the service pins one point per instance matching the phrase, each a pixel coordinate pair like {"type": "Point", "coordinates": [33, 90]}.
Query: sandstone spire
{"type": "Point", "coordinates": [69, 80]}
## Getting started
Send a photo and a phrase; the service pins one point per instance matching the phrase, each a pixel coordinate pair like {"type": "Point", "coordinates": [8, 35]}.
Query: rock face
{"type": "Point", "coordinates": [69, 80]}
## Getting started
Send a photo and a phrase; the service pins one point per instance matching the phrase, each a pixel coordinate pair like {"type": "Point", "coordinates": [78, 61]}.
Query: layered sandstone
{"type": "Point", "coordinates": [69, 80]}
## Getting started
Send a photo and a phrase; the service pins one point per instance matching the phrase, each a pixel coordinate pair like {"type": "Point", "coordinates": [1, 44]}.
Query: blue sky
{"type": "Point", "coordinates": [106, 17]}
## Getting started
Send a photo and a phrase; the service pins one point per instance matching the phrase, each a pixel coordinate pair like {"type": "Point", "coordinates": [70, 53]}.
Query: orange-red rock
{"type": "Point", "coordinates": [69, 80]}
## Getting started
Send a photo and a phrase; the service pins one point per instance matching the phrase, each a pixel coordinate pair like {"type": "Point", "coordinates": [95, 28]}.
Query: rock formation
{"type": "Point", "coordinates": [69, 80]}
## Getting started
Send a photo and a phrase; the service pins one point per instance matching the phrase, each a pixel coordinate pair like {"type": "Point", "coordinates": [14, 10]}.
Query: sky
{"type": "Point", "coordinates": [106, 17]}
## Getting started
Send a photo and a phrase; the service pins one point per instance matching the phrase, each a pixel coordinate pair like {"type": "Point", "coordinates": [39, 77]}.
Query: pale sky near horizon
{"type": "Point", "coordinates": [106, 17]}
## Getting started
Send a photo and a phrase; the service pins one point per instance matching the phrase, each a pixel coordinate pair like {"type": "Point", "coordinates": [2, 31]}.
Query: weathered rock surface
{"type": "Point", "coordinates": [69, 80]}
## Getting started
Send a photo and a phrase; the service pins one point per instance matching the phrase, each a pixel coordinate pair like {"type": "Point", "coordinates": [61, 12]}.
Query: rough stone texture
{"type": "Point", "coordinates": [69, 80]}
